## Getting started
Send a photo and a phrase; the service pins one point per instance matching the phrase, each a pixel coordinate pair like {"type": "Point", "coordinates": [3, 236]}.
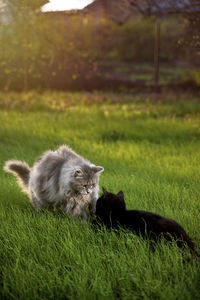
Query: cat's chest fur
{"type": "Point", "coordinates": [76, 197]}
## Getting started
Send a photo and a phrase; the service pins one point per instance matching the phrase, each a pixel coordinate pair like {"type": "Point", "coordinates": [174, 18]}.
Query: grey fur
{"type": "Point", "coordinates": [60, 178]}
{"type": "Point", "coordinates": [20, 168]}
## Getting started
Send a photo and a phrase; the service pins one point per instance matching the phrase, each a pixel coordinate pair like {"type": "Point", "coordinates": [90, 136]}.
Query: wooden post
{"type": "Point", "coordinates": [25, 75]}
{"type": "Point", "coordinates": [156, 55]}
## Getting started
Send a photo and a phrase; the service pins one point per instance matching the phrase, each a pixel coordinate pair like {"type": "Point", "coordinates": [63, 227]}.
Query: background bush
{"type": "Point", "coordinates": [56, 50]}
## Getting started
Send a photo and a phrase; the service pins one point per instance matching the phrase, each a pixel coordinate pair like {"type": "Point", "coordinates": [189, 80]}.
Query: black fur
{"type": "Point", "coordinates": [111, 211]}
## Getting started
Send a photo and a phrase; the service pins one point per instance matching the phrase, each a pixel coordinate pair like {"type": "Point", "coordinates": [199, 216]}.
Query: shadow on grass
{"type": "Point", "coordinates": [161, 137]}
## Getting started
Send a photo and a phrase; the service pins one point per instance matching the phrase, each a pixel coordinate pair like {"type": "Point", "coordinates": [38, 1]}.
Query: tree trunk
{"type": "Point", "coordinates": [156, 55]}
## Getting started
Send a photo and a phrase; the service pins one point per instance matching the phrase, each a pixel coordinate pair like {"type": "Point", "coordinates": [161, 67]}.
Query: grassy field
{"type": "Point", "coordinates": [150, 149]}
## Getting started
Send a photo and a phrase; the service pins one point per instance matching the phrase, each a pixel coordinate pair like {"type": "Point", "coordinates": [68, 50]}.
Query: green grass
{"type": "Point", "coordinates": [149, 149]}
{"type": "Point", "coordinates": [168, 73]}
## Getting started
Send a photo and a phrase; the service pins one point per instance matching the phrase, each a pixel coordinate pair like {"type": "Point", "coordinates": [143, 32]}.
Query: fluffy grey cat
{"type": "Point", "coordinates": [62, 179]}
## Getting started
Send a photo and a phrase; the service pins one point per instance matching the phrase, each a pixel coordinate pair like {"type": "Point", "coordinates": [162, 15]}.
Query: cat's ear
{"type": "Point", "coordinates": [104, 192]}
{"type": "Point", "coordinates": [78, 173]}
{"type": "Point", "coordinates": [121, 195]}
{"type": "Point", "coordinates": [98, 169]}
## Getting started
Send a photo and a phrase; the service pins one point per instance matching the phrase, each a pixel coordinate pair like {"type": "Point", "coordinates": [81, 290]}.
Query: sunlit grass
{"type": "Point", "coordinates": [149, 149]}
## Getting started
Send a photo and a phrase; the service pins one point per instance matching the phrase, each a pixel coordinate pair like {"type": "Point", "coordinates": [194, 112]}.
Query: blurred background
{"type": "Point", "coordinates": [102, 44]}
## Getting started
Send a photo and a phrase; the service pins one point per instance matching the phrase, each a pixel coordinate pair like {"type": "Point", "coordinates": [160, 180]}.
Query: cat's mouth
{"type": "Point", "coordinates": [81, 193]}
{"type": "Point", "coordinates": [85, 193]}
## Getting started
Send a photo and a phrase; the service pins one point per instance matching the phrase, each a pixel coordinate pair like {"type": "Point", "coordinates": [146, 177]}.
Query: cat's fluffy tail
{"type": "Point", "coordinates": [21, 170]}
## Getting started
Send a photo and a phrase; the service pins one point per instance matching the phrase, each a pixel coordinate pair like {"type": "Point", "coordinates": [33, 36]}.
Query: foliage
{"type": "Point", "coordinates": [191, 39]}
{"type": "Point", "coordinates": [56, 50]}
{"type": "Point", "coordinates": [21, 7]}
{"type": "Point", "coordinates": [193, 75]}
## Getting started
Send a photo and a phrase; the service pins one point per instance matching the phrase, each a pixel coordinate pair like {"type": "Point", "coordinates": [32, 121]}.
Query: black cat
{"type": "Point", "coordinates": [111, 211]}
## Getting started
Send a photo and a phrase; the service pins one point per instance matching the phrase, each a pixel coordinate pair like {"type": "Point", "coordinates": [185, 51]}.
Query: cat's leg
{"type": "Point", "coordinates": [79, 211]}
{"type": "Point", "coordinates": [36, 202]}
{"type": "Point", "coordinates": [83, 216]}
{"type": "Point", "coordinates": [68, 206]}
{"type": "Point", "coordinates": [75, 210]}
{"type": "Point", "coordinates": [92, 204]}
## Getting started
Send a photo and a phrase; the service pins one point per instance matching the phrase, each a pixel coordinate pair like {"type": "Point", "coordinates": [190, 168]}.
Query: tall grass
{"type": "Point", "coordinates": [151, 152]}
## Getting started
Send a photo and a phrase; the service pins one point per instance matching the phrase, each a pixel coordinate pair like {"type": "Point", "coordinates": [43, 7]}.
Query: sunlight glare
{"type": "Point", "coordinates": [55, 5]}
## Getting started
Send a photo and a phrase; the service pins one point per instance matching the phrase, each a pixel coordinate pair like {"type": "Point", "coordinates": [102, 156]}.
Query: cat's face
{"type": "Point", "coordinates": [85, 179]}
{"type": "Point", "coordinates": [109, 204]}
